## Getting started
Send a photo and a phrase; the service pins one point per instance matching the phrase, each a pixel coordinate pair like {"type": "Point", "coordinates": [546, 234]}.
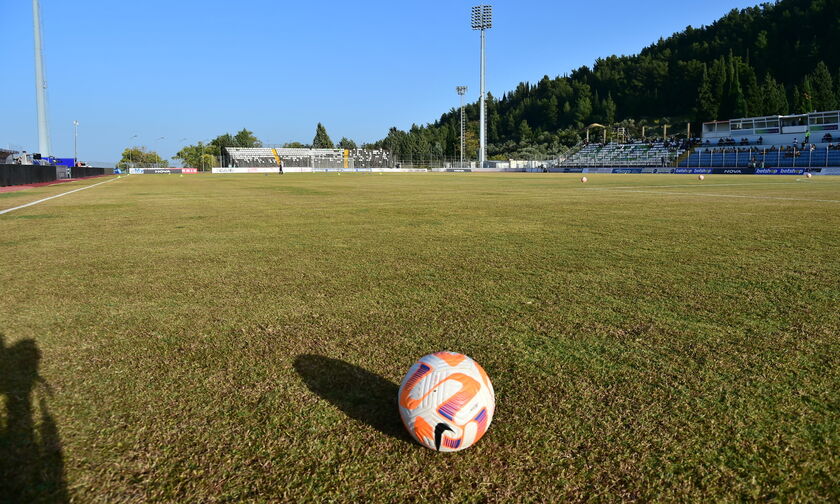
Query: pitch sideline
{"type": "Point", "coordinates": [713, 195]}
{"type": "Point", "coordinates": [54, 197]}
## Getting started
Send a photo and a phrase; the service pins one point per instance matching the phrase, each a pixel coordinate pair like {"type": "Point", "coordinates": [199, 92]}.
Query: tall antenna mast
{"type": "Point", "coordinates": [462, 90]}
{"type": "Point", "coordinates": [40, 84]}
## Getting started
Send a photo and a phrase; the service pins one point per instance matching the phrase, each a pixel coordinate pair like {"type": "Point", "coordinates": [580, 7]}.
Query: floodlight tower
{"type": "Point", "coordinates": [462, 90]}
{"type": "Point", "coordinates": [482, 19]}
{"type": "Point", "coordinates": [40, 84]}
{"type": "Point", "coordinates": [75, 143]}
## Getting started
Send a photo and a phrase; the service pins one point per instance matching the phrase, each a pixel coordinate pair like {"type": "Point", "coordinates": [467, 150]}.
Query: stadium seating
{"type": "Point", "coordinates": [308, 158]}
{"type": "Point", "coordinates": [639, 154]}
{"type": "Point", "coordinates": [767, 156]}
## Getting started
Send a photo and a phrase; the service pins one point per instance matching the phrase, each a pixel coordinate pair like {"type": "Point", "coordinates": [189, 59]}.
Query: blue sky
{"type": "Point", "coordinates": [186, 69]}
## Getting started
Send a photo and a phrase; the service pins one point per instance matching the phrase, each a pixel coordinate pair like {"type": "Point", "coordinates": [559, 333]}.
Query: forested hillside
{"type": "Point", "coordinates": [775, 58]}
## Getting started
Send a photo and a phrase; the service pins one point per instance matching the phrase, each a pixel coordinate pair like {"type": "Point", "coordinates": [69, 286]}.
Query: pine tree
{"type": "Point", "coordinates": [552, 114]}
{"type": "Point", "coordinates": [727, 104]}
{"type": "Point", "coordinates": [322, 139]}
{"type": "Point", "coordinates": [775, 98]}
{"type": "Point", "coordinates": [610, 109]}
{"type": "Point", "coordinates": [717, 79]}
{"type": "Point", "coordinates": [822, 86]}
{"type": "Point", "coordinates": [807, 103]}
{"type": "Point", "coordinates": [583, 109]}
{"type": "Point", "coordinates": [752, 91]}
{"type": "Point", "coordinates": [346, 143]}
{"type": "Point", "coordinates": [797, 100]}
{"type": "Point", "coordinates": [707, 107]}
{"type": "Point", "coordinates": [739, 102]}
{"type": "Point", "coordinates": [525, 132]}
{"type": "Point", "coordinates": [837, 86]}
{"type": "Point", "coordinates": [246, 138]}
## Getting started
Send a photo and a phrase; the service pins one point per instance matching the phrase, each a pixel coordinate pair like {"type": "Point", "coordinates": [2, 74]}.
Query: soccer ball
{"type": "Point", "coordinates": [584, 180]}
{"type": "Point", "coordinates": [446, 401]}
{"type": "Point", "coordinates": [808, 175]}
{"type": "Point", "coordinates": [701, 178]}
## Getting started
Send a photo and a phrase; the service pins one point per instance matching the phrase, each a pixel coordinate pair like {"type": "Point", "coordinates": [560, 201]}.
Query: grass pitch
{"type": "Point", "coordinates": [241, 338]}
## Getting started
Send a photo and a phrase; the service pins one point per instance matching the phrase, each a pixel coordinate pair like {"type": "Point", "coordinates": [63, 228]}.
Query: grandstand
{"type": "Point", "coordinates": [315, 159]}
{"type": "Point", "coordinates": [800, 141]}
{"type": "Point", "coordinates": [7, 156]}
{"type": "Point", "coordinates": [767, 156]}
{"type": "Point", "coordinates": [749, 145]}
{"type": "Point", "coordinates": [640, 154]}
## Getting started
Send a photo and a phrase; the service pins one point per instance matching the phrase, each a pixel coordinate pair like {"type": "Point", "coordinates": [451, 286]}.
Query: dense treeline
{"type": "Point", "coordinates": [771, 59]}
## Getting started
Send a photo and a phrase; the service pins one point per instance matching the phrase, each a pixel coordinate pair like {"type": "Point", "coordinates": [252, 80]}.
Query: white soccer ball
{"type": "Point", "coordinates": [809, 175]}
{"type": "Point", "coordinates": [584, 180]}
{"type": "Point", "coordinates": [446, 401]}
{"type": "Point", "coordinates": [701, 178]}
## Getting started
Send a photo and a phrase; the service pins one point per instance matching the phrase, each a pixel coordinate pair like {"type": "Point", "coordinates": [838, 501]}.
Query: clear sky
{"type": "Point", "coordinates": [189, 69]}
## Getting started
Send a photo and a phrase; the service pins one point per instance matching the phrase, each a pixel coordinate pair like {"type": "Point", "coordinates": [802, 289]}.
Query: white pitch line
{"type": "Point", "coordinates": [685, 185]}
{"type": "Point", "coordinates": [53, 197]}
{"type": "Point", "coordinates": [713, 195]}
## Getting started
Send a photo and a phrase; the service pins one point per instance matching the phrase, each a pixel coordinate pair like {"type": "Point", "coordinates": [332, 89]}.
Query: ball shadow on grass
{"type": "Point", "coordinates": [360, 394]}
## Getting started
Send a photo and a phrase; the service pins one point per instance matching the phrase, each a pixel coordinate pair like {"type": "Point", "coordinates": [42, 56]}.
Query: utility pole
{"type": "Point", "coordinates": [462, 90]}
{"type": "Point", "coordinates": [482, 19]}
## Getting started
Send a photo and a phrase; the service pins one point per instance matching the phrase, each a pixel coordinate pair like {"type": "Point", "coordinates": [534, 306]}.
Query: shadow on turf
{"type": "Point", "coordinates": [360, 394]}
{"type": "Point", "coordinates": [31, 459]}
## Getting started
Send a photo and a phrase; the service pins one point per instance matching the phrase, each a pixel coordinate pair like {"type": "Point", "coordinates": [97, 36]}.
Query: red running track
{"type": "Point", "coordinates": [42, 184]}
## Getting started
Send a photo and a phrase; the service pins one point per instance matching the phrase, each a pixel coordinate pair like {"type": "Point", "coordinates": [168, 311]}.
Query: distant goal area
{"type": "Point", "coordinates": [287, 160]}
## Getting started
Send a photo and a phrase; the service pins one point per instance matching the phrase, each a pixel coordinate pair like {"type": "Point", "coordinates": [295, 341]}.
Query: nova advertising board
{"type": "Point", "coordinates": [733, 171]}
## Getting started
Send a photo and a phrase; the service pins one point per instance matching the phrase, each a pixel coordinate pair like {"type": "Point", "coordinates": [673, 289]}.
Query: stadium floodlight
{"type": "Point", "coordinates": [131, 152]}
{"type": "Point", "coordinates": [40, 84]}
{"type": "Point", "coordinates": [75, 143]}
{"type": "Point", "coordinates": [462, 90]}
{"type": "Point", "coordinates": [482, 19]}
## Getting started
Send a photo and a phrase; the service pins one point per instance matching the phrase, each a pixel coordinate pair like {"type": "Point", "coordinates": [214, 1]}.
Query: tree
{"type": "Point", "coordinates": [243, 139]}
{"type": "Point", "coordinates": [707, 107]}
{"type": "Point", "coordinates": [610, 109]}
{"type": "Point", "coordinates": [739, 101]}
{"type": "Point", "coordinates": [347, 144]}
{"type": "Point", "coordinates": [198, 156]}
{"type": "Point", "coordinates": [295, 145]}
{"type": "Point", "coordinates": [775, 97]}
{"type": "Point", "coordinates": [583, 109]}
{"type": "Point", "coordinates": [806, 100]}
{"type": "Point", "coordinates": [247, 139]}
{"type": "Point", "coordinates": [525, 131]}
{"type": "Point", "coordinates": [322, 139]}
{"type": "Point", "coordinates": [822, 86]}
{"type": "Point", "coordinates": [797, 100]}
{"type": "Point", "coordinates": [837, 85]}
{"type": "Point", "coordinates": [140, 157]}
{"type": "Point", "coordinates": [718, 78]}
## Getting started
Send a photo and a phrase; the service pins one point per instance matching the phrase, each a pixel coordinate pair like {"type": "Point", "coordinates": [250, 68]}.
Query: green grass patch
{"type": "Point", "coordinates": [241, 338]}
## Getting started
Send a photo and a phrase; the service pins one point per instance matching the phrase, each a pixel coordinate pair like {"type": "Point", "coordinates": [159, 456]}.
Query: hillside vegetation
{"type": "Point", "coordinates": [775, 58]}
